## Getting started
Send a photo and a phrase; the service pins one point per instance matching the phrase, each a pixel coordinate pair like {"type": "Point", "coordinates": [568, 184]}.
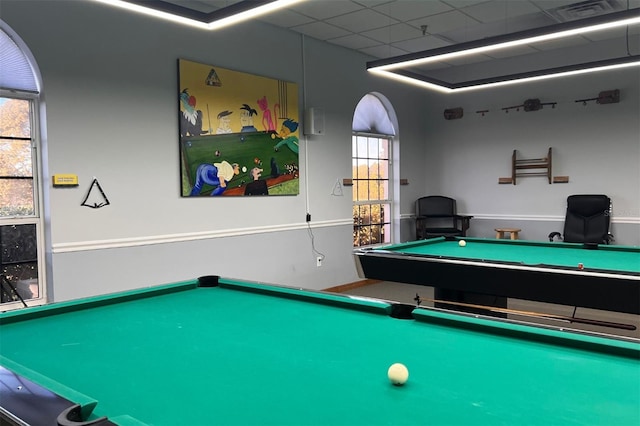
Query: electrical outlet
{"type": "Point", "coordinates": [319, 261]}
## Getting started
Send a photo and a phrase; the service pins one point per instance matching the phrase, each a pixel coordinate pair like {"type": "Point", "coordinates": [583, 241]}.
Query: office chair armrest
{"type": "Point", "coordinates": [464, 217]}
{"type": "Point", "coordinates": [553, 235]}
{"type": "Point", "coordinates": [464, 220]}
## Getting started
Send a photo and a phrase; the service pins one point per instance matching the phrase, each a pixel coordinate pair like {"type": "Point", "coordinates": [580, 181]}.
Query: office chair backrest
{"type": "Point", "coordinates": [436, 206]}
{"type": "Point", "coordinates": [588, 218]}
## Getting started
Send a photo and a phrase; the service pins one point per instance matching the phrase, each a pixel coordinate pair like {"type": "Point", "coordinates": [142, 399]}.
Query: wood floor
{"type": "Point", "coordinates": [406, 293]}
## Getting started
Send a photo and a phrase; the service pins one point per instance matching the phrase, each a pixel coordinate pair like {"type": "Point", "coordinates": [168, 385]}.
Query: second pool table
{"type": "Point", "coordinates": [592, 276]}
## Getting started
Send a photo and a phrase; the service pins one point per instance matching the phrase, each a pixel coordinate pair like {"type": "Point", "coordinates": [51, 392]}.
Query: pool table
{"type": "Point", "coordinates": [592, 276]}
{"type": "Point", "coordinates": [216, 351]}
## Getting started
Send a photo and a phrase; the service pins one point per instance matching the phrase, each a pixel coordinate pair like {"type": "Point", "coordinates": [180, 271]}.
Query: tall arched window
{"type": "Point", "coordinates": [372, 160]}
{"type": "Point", "coordinates": [22, 259]}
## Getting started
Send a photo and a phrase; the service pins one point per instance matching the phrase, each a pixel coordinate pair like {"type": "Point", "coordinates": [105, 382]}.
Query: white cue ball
{"type": "Point", "coordinates": [462, 243]}
{"type": "Point", "coordinates": [398, 374]}
{"type": "Point", "coordinates": [244, 169]}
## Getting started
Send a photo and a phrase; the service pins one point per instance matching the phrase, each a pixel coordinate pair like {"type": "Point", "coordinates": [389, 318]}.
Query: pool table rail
{"type": "Point", "coordinates": [514, 329]}
{"type": "Point", "coordinates": [608, 290]}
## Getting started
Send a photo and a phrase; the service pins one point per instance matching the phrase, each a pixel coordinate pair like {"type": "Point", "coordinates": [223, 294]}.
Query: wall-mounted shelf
{"type": "Point", "coordinates": [528, 167]}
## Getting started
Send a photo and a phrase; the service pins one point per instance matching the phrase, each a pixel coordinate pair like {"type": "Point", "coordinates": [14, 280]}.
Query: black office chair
{"type": "Point", "coordinates": [587, 220]}
{"type": "Point", "coordinates": [436, 216]}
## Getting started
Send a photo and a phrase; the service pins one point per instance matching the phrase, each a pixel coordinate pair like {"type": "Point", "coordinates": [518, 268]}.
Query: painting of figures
{"type": "Point", "coordinates": [238, 133]}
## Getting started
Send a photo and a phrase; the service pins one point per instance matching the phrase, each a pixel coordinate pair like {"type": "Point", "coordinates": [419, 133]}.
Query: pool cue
{"type": "Point", "coordinates": [14, 290]}
{"type": "Point", "coordinates": [532, 314]}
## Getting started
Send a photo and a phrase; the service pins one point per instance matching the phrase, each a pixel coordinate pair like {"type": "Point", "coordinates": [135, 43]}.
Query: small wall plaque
{"type": "Point", "coordinates": [65, 180]}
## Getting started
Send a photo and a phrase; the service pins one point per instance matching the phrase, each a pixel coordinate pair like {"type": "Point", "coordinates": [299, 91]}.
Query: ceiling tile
{"type": "Point", "coordinates": [393, 33]}
{"type": "Point", "coordinates": [458, 4]}
{"type": "Point", "coordinates": [499, 10]}
{"type": "Point", "coordinates": [322, 9]}
{"type": "Point", "coordinates": [552, 4]}
{"type": "Point", "coordinates": [362, 20]}
{"type": "Point", "coordinates": [442, 22]}
{"type": "Point", "coordinates": [354, 41]}
{"type": "Point", "coordinates": [421, 43]}
{"type": "Point", "coordinates": [481, 31]}
{"type": "Point", "coordinates": [383, 51]}
{"type": "Point", "coordinates": [286, 19]}
{"type": "Point", "coordinates": [373, 3]}
{"type": "Point", "coordinates": [408, 9]}
{"type": "Point", "coordinates": [320, 30]}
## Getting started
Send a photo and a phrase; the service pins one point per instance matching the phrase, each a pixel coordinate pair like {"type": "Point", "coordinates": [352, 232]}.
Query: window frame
{"type": "Point", "coordinates": [388, 222]}
{"type": "Point", "coordinates": [38, 216]}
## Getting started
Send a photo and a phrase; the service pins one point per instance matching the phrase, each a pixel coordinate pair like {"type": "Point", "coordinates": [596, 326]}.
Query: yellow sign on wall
{"type": "Point", "coordinates": [65, 180]}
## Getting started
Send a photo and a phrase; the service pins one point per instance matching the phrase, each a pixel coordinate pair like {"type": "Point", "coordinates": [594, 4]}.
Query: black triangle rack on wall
{"type": "Point", "coordinates": [101, 197]}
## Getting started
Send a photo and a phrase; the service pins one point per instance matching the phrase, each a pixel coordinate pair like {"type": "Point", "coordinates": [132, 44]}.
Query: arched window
{"type": "Point", "coordinates": [22, 259]}
{"type": "Point", "coordinates": [373, 138]}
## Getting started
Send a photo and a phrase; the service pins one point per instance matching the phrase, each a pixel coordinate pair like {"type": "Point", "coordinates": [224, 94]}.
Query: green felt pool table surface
{"type": "Point", "coordinates": [568, 255]}
{"type": "Point", "coordinates": [604, 277]}
{"type": "Point", "coordinates": [249, 354]}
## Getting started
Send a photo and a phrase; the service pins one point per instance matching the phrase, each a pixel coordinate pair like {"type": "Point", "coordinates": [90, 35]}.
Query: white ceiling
{"type": "Point", "coordinates": [389, 28]}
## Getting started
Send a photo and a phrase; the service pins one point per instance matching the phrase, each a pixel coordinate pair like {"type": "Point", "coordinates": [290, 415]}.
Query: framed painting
{"type": "Point", "coordinates": [238, 133]}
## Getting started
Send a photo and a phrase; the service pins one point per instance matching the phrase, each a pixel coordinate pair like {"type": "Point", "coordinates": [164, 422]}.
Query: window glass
{"type": "Point", "coordinates": [16, 159]}
{"type": "Point", "coordinates": [372, 204]}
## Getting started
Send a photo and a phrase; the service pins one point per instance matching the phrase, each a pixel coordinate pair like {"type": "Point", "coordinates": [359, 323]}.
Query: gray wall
{"type": "Point", "coordinates": [597, 146]}
{"type": "Point", "coordinates": [110, 91]}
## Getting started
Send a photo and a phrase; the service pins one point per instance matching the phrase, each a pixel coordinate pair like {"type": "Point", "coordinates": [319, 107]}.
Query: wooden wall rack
{"type": "Point", "coordinates": [527, 167]}
{"type": "Point", "coordinates": [533, 166]}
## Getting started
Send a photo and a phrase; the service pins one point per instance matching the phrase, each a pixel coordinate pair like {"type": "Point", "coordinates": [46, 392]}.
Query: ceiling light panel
{"type": "Point", "coordinates": [509, 48]}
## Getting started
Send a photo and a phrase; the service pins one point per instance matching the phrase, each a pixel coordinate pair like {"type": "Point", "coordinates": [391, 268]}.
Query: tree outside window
{"type": "Point", "coordinates": [371, 197]}
{"type": "Point", "coordinates": [16, 159]}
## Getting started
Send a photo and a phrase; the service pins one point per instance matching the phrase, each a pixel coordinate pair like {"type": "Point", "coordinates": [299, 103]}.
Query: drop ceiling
{"type": "Point", "coordinates": [384, 29]}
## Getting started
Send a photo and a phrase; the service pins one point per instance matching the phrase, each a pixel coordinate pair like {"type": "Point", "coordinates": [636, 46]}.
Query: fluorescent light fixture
{"type": "Point", "coordinates": [230, 15]}
{"type": "Point", "coordinates": [397, 67]}
{"type": "Point", "coordinates": [420, 81]}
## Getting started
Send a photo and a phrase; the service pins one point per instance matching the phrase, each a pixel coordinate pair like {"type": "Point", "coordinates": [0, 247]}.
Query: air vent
{"type": "Point", "coordinates": [585, 9]}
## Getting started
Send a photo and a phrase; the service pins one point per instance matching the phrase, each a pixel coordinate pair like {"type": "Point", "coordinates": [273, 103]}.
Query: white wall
{"type": "Point", "coordinates": [597, 146]}
{"type": "Point", "coordinates": [110, 88]}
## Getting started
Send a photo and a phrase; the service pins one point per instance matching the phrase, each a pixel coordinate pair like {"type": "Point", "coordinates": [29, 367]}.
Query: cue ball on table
{"type": "Point", "coordinates": [398, 374]}
{"type": "Point", "coordinates": [462, 243]}
{"type": "Point", "coordinates": [244, 169]}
